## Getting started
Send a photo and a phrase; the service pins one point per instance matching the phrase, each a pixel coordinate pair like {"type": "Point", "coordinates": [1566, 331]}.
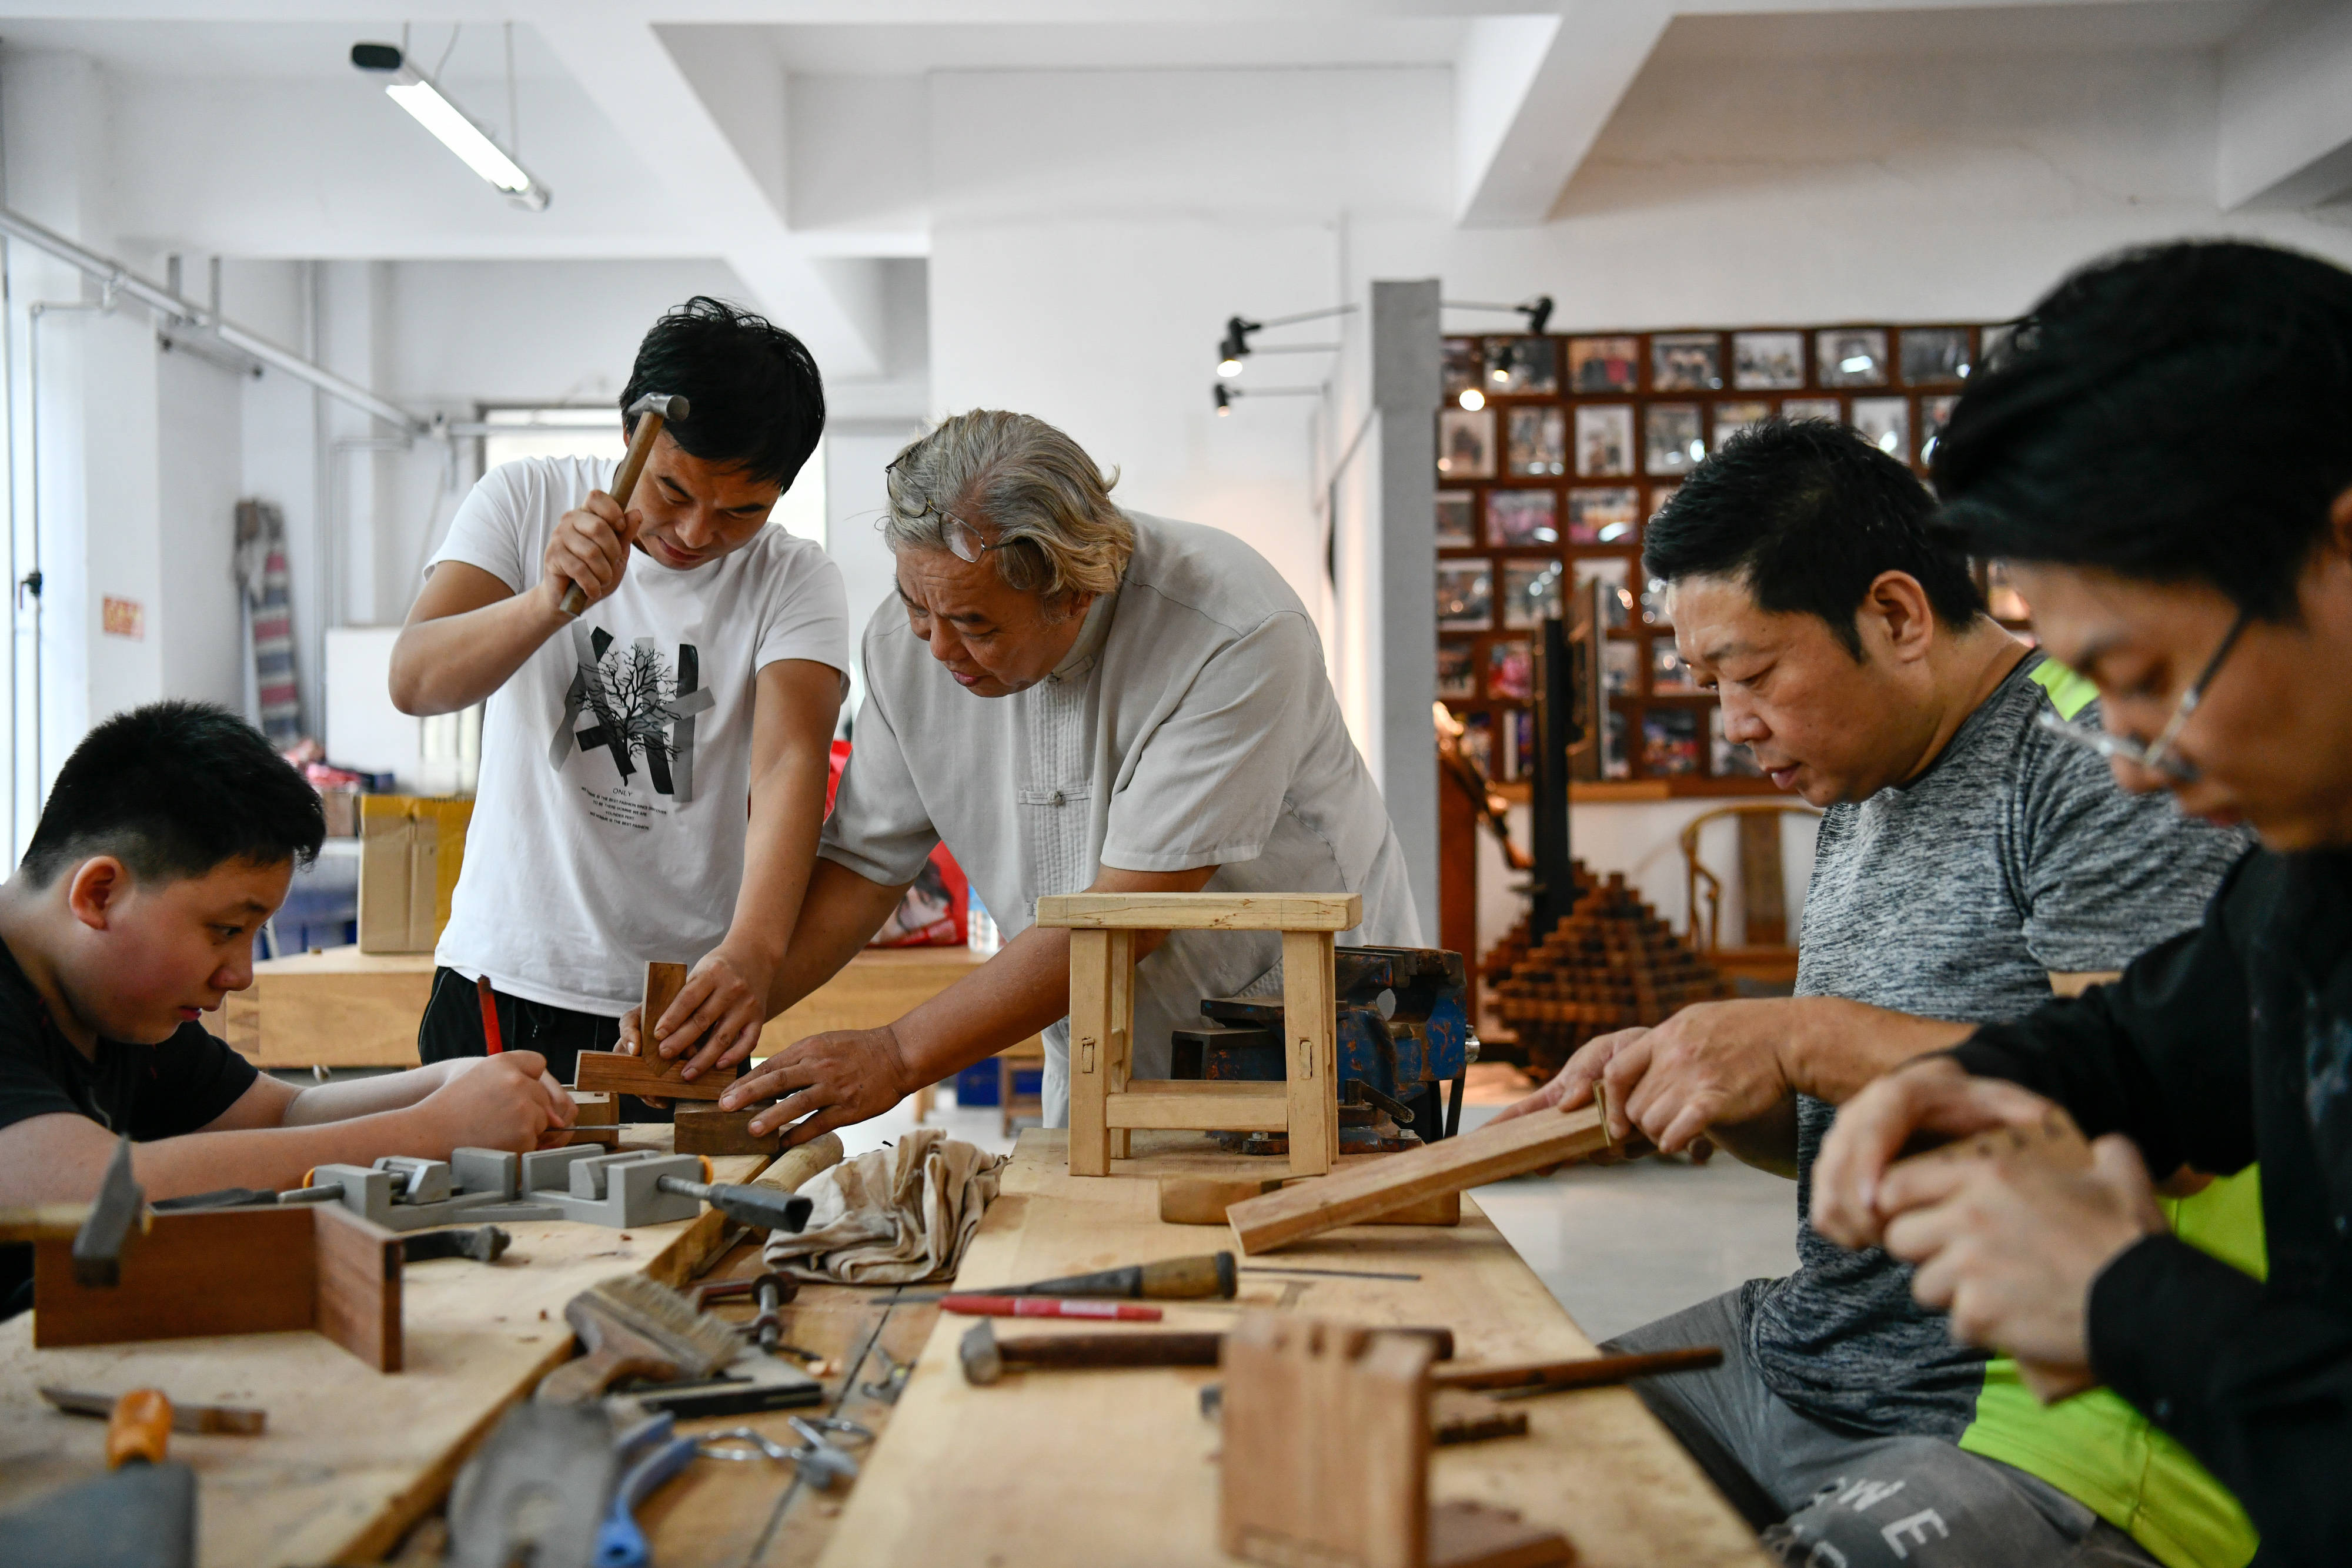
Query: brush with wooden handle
{"type": "Point", "coordinates": [632, 1326]}
{"type": "Point", "coordinates": [651, 412]}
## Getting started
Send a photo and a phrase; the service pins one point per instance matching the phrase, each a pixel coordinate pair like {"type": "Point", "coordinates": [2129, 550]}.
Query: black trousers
{"type": "Point", "coordinates": [452, 1026]}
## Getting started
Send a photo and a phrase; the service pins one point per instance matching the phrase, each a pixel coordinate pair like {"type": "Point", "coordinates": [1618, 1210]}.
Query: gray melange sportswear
{"type": "Point", "coordinates": [1957, 896]}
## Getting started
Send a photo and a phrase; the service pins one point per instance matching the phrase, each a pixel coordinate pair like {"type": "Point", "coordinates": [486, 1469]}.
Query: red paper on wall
{"type": "Point", "coordinates": [934, 911]}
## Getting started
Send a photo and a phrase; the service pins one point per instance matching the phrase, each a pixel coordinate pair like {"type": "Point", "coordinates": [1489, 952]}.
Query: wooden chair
{"type": "Point", "coordinates": [1764, 952]}
{"type": "Point", "coordinates": [1105, 1105]}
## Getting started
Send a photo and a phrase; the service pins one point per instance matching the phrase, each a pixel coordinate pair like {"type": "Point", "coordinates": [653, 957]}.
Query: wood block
{"type": "Point", "coordinates": [1466, 1534]}
{"type": "Point", "coordinates": [1187, 1104]}
{"type": "Point", "coordinates": [1351, 1196]}
{"type": "Point", "coordinates": [1309, 1004]}
{"type": "Point", "coordinates": [1090, 1033]}
{"type": "Point", "coordinates": [357, 1303]}
{"type": "Point", "coordinates": [611, 1072]}
{"type": "Point", "coordinates": [1203, 1201]}
{"type": "Point", "coordinates": [1201, 911]}
{"type": "Point", "coordinates": [723, 1132]}
{"type": "Point", "coordinates": [230, 1271]}
{"type": "Point", "coordinates": [595, 1110]}
{"type": "Point", "coordinates": [663, 983]}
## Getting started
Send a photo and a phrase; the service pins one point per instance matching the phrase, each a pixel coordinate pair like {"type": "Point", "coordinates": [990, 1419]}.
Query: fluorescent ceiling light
{"type": "Point", "coordinates": [429, 107]}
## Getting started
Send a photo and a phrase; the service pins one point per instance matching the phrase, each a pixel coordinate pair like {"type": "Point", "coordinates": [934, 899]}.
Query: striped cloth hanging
{"type": "Point", "coordinates": [261, 572]}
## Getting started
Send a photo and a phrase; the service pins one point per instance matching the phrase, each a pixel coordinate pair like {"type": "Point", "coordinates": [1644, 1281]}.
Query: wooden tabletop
{"type": "Point", "coordinates": [352, 1457]}
{"type": "Point", "coordinates": [1094, 1468]}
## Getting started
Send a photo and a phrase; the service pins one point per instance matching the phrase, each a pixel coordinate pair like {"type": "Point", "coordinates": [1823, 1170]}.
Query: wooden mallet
{"type": "Point", "coordinates": [651, 412]}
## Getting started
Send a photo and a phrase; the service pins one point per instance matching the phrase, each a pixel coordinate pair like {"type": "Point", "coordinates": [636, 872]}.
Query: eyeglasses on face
{"type": "Point", "coordinates": [2157, 756]}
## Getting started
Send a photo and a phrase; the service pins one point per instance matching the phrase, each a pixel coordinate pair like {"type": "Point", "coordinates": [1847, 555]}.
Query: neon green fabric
{"type": "Point", "coordinates": [2069, 692]}
{"type": "Point", "coordinates": [2105, 1454]}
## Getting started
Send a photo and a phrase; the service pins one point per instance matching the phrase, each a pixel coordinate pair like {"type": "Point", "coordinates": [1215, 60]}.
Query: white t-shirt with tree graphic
{"type": "Point", "coordinates": [609, 822]}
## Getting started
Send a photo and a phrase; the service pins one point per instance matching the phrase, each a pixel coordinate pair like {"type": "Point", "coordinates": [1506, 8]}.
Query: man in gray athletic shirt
{"type": "Point", "coordinates": [1967, 866]}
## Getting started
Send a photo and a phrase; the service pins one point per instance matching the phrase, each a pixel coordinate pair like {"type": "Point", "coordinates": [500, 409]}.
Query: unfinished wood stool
{"type": "Point", "coordinates": [1105, 1105]}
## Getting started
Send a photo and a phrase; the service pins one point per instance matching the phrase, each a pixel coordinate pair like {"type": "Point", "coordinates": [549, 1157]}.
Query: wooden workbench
{"type": "Point", "coordinates": [343, 1008]}
{"type": "Point", "coordinates": [352, 1457]}
{"type": "Point", "coordinates": [1118, 1467]}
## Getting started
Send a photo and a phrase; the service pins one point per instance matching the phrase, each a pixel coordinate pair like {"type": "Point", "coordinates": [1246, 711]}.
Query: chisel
{"type": "Point", "coordinates": [1204, 1275]}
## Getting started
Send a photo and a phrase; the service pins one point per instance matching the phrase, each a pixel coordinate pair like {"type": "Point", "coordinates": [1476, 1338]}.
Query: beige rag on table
{"type": "Point", "coordinates": [893, 1216]}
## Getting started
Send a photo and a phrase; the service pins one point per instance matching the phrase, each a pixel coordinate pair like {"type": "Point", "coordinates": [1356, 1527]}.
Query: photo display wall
{"type": "Point", "coordinates": [1554, 451]}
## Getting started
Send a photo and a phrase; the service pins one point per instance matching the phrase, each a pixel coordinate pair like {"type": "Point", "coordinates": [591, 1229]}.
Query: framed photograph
{"type": "Point", "coordinates": [1531, 592]}
{"type": "Point", "coordinates": [1510, 670]}
{"type": "Point", "coordinates": [1466, 596]}
{"type": "Point", "coordinates": [1686, 361]}
{"type": "Point", "coordinates": [1935, 413]}
{"type": "Point", "coordinates": [1668, 673]}
{"type": "Point", "coordinates": [1604, 440]}
{"type": "Point", "coordinates": [1886, 424]}
{"type": "Point", "coordinates": [1768, 362]}
{"type": "Point", "coordinates": [1669, 741]}
{"type": "Point", "coordinates": [1517, 518]}
{"type": "Point", "coordinates": [1539, 443]}
{"type": "Point", "coordinates": [1604, 517]}
{"type": "Point", "coordinates": [1604, 364]}
{"type": "Point", "coordinates": [1479, 742]}
{"type": "Point", "coordinates": [1725, 760]}
{"type": "Point", "coordinates": [1935, 356]}
{"type": "Point", "coordinates": [1466, 366]}
{"type": "Point", "coordinates": [1457, 669]}
{"type": "Point", "coordinates": [1620, 669]}
{"type": "Point", "coordinates": [1522, 367]}
{"type": "Point", "coordinates": [1849, 356]}
{"type": "Point", "coordinates": [1731, 418]}
{"type": "Point", "coordinates": [1672, 440]}
{"type": "Point", "coordinates": [1457, 519]}
{"type": "Point", "coordinates": [1465, 444]}
{"type": "Point", "coordinates": [1796, 408]}
{"type": "Point", "coordinates": [1659, 495]}
{"type": "Point", "coordinates": [1612, 573]}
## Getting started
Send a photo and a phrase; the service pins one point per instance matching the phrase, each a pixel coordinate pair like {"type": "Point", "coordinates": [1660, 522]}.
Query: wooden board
{"type": "Point", "coordinates": [1189, 1104]}
{"type": "Point", "coordinates": [609, 1071]}
{"type": "Point", "coordinates": [227, 1272]}
{"type": "Point", "coordinates": [1451, 1165]}
{"type": "Point", "coordinates": [1207, 1200]}
{"type": "Point", "coordinates": [723, 1132]}
{"type": "Point", "coordinates": [663, 983]}
{"type": "Point", "coordinates": [357, 1272]}
{"type": "Point", "coordinates": [1310, 1015]}
{"type": "Point", "coordinates": [352, 1457]}
{"type": "Point", "coordinates": [1201, 911]}
{"type": "Point", "coordinates": [1093, 1468]}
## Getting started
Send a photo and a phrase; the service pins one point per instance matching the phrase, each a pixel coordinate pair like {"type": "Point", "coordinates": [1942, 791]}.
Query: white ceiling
{"type": "Point", "coordinates": [2099, 27]}
{"type": "Point", "coordinates": [279, 51]}
{"type": "Point", "coordinates": [869, 49]}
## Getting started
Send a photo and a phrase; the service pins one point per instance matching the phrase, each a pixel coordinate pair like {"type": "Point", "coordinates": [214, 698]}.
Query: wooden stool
{"type": "Point", "coordinates": [1106, 1105]}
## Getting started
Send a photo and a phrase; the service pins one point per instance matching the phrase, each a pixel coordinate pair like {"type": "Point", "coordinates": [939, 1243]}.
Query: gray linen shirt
{"type": "Point", "coordinates": [1191, 724]}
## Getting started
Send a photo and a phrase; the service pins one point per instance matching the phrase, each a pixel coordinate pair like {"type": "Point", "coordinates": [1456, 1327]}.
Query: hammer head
{"type": "Point", "coordinates": [983, 1363]}
{"type": "Point", "coordinates": [666, 407]}
{"type": "Point", "coordinates": [120, 1204]}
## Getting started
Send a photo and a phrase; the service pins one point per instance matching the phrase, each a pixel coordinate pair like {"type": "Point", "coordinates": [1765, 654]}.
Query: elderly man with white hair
{"type": "Point", "coordinates": [1072, 697]}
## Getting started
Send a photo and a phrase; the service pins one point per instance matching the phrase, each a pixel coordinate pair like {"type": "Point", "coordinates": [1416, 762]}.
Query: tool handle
{"type": "Point", "coordinates": [1190, 1279]}
{"type": "Point", "coordinates": [761, 1206]}
{"type": "Point", "coordinates": [1173, 1349]}
{"type": "Point", "coordinates": [625, 480]}
{"type": "Point", "coordinates": [1047, 1307]}
{"type": "Point", "coordinates": [619, 1543]}
{"type": "Point", "coordinates": [140, 1428]}
{"type": "Point", "coordinates": [1586, 1372]}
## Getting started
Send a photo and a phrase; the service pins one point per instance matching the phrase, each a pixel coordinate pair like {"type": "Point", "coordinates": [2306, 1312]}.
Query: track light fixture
{"type": "Point", "coordinates": [1226, 396]}
{"type": "Point", "coordinates": [1537, 312]}
{"type": "Point", "coordinates": [431, 108]}
{"type": "Point", "coordinates": [1236, 347]}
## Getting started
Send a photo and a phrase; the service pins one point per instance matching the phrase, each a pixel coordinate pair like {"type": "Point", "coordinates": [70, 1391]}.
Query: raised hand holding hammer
{"type": "Point", "coordinates": [589, 551]}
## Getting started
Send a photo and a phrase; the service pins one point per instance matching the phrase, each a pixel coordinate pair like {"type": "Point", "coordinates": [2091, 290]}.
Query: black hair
{"type": "Point", "coordinates": [2176, 412]}
{"type": "Point", "coordinates": [173, 789]}
{"type": "Point", "coordinates": [755, 399]}
{"type": "Point", "coordinates": [1806, 514]}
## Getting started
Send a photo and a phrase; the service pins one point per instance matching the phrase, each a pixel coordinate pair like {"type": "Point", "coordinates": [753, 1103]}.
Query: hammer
{"type": "Point", "coordinates": [985, 1357]}
{"type": "Point", "coordinates": [120, 1206]}
{"type": "Point", "coordinates": [651, 412]}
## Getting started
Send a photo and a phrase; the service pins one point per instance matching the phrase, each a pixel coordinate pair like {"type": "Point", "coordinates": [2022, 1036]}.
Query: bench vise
{"type": "Point", "coordinates": [476, 1187]}
{"type": "Point", "coordinates": [1403, 1030]}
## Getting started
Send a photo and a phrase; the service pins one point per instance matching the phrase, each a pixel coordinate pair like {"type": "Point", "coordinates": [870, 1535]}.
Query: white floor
{"type": "Point", "coordinates": [1618, 1245]}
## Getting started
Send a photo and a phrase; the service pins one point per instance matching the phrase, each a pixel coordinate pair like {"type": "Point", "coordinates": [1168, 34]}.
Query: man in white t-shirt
{"type": "Point", "coordinates": [654, 770]}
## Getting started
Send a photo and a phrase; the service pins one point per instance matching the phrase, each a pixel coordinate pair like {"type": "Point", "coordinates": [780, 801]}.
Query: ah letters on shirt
{"type": "Point", "coordinates": [1957, 895]}
{"type": "Point", "coordinates": [610, 815]}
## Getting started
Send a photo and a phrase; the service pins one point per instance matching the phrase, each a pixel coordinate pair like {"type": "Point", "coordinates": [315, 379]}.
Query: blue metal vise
{"type": "Point", "coordinates": [1403, 1031]}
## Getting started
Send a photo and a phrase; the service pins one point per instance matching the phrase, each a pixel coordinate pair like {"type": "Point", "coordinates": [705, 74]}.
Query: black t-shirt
{"type": "Point", "coordinates": [147, 1091]}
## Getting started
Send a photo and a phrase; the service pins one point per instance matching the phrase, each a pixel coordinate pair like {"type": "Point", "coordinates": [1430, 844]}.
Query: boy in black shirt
{"type": "Point", "coordinates": [171, 835]}
{"type": "Point", "coordinates": [2164, 458]}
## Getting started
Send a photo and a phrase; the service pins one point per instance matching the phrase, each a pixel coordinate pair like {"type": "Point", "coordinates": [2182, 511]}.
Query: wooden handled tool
{"type": "Point", "coordinates": [1585, 1372]}
{"type": "Point", "coordinates": [1047, 1307]}
{"type": "Point", "coordinates": [1196, 1278]}
{"type": "Point", "coordinates": [142, 1511]}
{"type": "Point", "coordinates": [985, 1359]}
{"type": "Point", "coordinates": [140, 1428]}
{"type": "Point", "coordinates": [632, 1326]}
{"type": "Point", "coordinates": [651, 412]}
{"type": "Point", "coordinates": [232, 1419]}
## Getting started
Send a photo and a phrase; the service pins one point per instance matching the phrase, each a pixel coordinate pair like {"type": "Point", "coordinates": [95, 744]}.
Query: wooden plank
{"type": "Point", "coordinates": [610, 1071]}
{"type": "Point", "coordinates": [352, 1457]}
{"type": "Point", "coordinates": [663, 983]}
{"type": "Point", "coordinates": [232, 1271]}
{"type": "Point", "coordinates": [1203, 911]}
{"type": "Point", "coordinates": [1309, 1004]}
{"type": "Point", "coordinates": [1122, 1031]}
{"type": "Point", "coordinates": [723, 1132]}
{"type": "Point", "coordinates": [1073, 1470]}
{"type": "Point", "coordinates": [1206, 1200]}
{"type": "Point", "coordinates": [358, 1285]}
{"type": "Point", "coordinates": [1350, 1196]}
{"type": "Point", "coordinates": [1180, 1104]}
{"type": "Point", "coordinates": [1090, 1033]}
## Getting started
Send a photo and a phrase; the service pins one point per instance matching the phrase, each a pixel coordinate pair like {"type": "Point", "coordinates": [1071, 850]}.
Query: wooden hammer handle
{"type": "Point", "coordinates": [140, 1428]}
{"type": "Point", "coordinates": [1586, 1372]}
{"type": "Point", "coordinates": [1171, 1349]}
{"type": "Point", "coordinates": [624, 481]}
